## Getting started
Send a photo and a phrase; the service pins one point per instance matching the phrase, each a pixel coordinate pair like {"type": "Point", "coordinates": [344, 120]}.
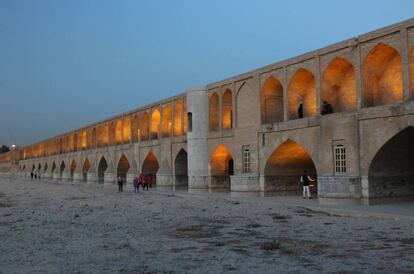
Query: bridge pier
{"type": "Point", "coordinates": [91, 178]}
{"type": "Point", "coordinates": [66, 176]}
{"type": "Point", "coordinates": [77, 176]}
{"type": "Point", "coordinates": [165, 180]}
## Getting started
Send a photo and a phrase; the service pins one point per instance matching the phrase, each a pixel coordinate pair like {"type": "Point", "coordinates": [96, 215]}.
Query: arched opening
{"type": "Point", "coordinates": [112, 133]}
{"type": "Point", "coordinates": [145, 126]}
{"type": "Point", "coordinates": [85, 169]}
{"type": "Point", "coordinates": [221, 167]}
{"type": "Point", "coordinates": [123, 167]}
{"type": "Point", "coordinates": [227, 110]}
{"type": "Point", "coordinates": [382, 77]}
{"type": "Point", "coordinates": [177, 118]}
{"type": "Point", "coordinates": [412, 73]}
{"type": "Point", "coordinates": [99, 136]}
{"type": "Point", "coordinates": [105, 136]}
{"type": "Point", "coordinates": [135, 128]}
{"type": "Point", "coordinates": [339, 85]}
{"type": "Point", "coordinates": [155, 123]}
{"type": "Point", "coordinates": [44, 169]}
{"type": "Point", "coordinates": [181, 169]}
{"type": "Point", "coordinates": [214, 111]}
{"type": "Point", "coordinates": [53, 168]}
{"type": "Point", "coordinates": [24, 167]}
{"type": "Point", "coordinates": [84, 139]}
{"type": "Point", "coordinates": [302, 90]}
{"type": "Point", "coordinates": [150, 165]}
{"type": "Point", "coordinates": [39, 167]}
{"type": "Point", "coordinates": [127, 130]}
{"type": "Point", "coordinates": [118, 134]}
{"type": "Point", "coordinates": [391, 173]}
{"type": "Point", "coordinates": [272, 101]}
{"type": "Point", "coordinates": [166, 121]}
{"type": "Point", "coordinates": [72, 169]}
{"type": "Point", "coordinates": [62, 169]}
{"type": "Point", "coordinates": [284, 168]}
{"type": "Point", "coordinates": [190, 121]}
{"type": "Point", "coordinates": [102, 166]}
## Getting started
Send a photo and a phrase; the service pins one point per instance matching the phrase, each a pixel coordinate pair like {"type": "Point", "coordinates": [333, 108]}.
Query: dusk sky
{"type": "Point", "coordinates": [65, 64]}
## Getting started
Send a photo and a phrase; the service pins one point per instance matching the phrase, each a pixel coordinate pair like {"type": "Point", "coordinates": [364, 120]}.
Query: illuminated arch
{"type": "Point", "coordinates": [382, 76]}
{"type": "Point", "coordinates": [272, 101]}
{"type": "Point", "coordinates": [227, 110]}
{"type": "Point", "coordinates": [221, 167]}
{"type": "Point", "coordinates": [155, 123]}
{"type": "Point", "coordinates": [285, 166]}
{"type": "Point", "coordinates": [339, 85]}
{"type": "Point", "coordinates": [166, 121]}
{"type": "Point", "coordinates": [214, 111]}
{"type": "Point", "coordinates": [302, 87]}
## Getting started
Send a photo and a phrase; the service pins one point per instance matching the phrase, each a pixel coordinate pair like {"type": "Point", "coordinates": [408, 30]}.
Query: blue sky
{"type": "Point", "coordinates": [64, 64]}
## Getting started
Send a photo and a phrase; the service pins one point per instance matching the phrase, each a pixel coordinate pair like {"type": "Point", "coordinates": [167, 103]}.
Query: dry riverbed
{"type": "Point", "coordinates": [48, 227]}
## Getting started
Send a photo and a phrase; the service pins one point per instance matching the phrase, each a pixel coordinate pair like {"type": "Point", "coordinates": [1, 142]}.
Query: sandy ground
{"type": "Point", "coordinates": [49, 227]}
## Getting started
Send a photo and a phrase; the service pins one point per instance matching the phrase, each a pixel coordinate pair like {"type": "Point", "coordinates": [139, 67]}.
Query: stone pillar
{"type": "Point", "coordinates": [66, 176]}
{"type": "Point", "coordinates": [198, 157]}
{"type": "Point", "coordinates": [131, 174]}
{"type": "Point", "coordinates": [56, 175]}
{"type": "Point", "coordinates": [91, 177]}
{"type": "Point", "coordinates": [78, 176]}
{"type": "Point", "coordinates": [165, 180]}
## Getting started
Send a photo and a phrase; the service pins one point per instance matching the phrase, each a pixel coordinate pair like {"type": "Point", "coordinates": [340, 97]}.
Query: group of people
{"type": "Point", "coordinates": [142, 180]}
{"type": "Point", "coordinates": [34, 175]}
{"type": "Point", "coordinates": [326, 109]}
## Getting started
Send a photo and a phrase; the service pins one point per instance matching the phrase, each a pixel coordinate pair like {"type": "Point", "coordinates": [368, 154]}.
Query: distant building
{"type": "Point", "coordinates": [4, 149]}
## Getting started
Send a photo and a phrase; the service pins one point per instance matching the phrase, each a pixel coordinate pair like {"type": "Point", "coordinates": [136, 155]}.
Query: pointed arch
{"type": "Point", "coordinates": [214, 111]}
{"type": "Point", "coordinates": [118, 134]}
{"type": "Point", "coordinates": [53, 167]}
{"type": "Point", "coordinates": [177, 118]}
{"type": "Point", "coordinates": [181, 168]}
{"type": "Point", "coordinates": [102, 167]}
{"type": "Point", "coordinates": [166, 121]}
{"type": "Point", "coordinates": [155, 123]}
{"type": "Point", "coordinates": [221, 167]}
{"type": "Point", "coordinates": [339, 85]}
{"type": "Point", "coordinates": [145, 126]}
{"type": "Point", "coordinates": [45, 167]}
{"type": "Point", "coordinates": [185, 121]}
{"type": "Point", "coordinates": [272, 101]}
{"type": "Point", "coordinates": [85, 169]}
{"type": "Point", "coordinates": [302, 89]}
{"type": "Point", "coordinates": [62, 169]}
{"type": "Point", "coordinates": [248, 107]}
{"type": "Point", "coordinates": [382, 76]}
{"type": "Point", "coordinates": [73, 166]}
{"type": "Point", "coordinates": [227, 110]}
{"type": "Point", "coordinates": [391, 172]}
{"type": "Point", "coordinates": [83, 139]}
{"type": "Point", "coordinates": [150, 164]}
{"type": "Point", "coordinates": [285, 166]}
{"type": "Point", "coordinates": [112, 139]}
{"type": "Point", "coordinates": [122, 167]}
{"type": "Point", "coordinates": [135, 128]}
{"type": "Point", "coordinates": [39, 167]}
{"type": "Point", "coordinates": [105, 134]}
{"type": "Point", "coordinates": [127, 130]}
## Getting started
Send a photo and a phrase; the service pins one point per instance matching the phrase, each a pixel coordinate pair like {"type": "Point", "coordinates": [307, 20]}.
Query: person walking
{"type": "Point", "coordinates": [136, 185]}
{"type": "Point", "coordinates": [31, 175]}
{"type": "Point", "coordinates": [120, 183]}
{"type": "Point", "coordinates": [146, 182]}
{"type": "Point", "coordinates": [305, 179]}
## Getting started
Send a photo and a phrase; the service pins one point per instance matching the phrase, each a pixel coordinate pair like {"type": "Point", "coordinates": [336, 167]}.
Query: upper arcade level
{"type": "Point", "coordinates": [163, 119]}
{"type": "Point", "coordinates": [372, 74]}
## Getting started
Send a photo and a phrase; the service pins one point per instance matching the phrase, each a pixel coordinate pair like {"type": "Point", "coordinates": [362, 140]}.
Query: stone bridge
{"type": "Point", "coordinates": [245, 133]}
